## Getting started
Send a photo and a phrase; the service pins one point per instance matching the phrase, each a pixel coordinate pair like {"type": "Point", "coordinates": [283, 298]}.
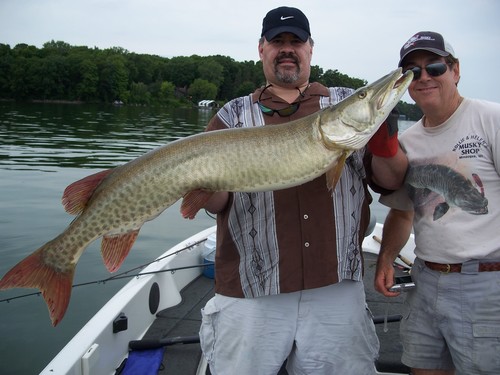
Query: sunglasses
{"type": "Point", "coordinates": [283, 112]}
{"type": "Point", "coordinates": [434, 70]}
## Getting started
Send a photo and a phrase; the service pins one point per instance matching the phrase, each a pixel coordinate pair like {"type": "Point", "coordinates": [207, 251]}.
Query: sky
{"type": "Point", "coordinates": [360, 38]}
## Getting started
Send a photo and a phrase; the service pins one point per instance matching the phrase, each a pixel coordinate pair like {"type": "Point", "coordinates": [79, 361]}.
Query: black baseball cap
{"type": "Point", "coordinates": [427, 41]}
{"type": "Point", "coordinates": [285, 20]}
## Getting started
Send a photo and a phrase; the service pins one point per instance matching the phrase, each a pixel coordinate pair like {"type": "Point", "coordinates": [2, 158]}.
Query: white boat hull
{"type": "Point", "coordinates": [96, 350]}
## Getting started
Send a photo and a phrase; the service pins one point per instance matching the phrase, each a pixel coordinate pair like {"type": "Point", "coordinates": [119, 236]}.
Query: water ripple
{"type": "Point", "coordinates": [88, 136]}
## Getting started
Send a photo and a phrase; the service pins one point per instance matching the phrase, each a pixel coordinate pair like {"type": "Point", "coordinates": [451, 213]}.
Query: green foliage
{"type": "Point", "coordinates": [59, 71]}
{"type": "Point", "coordinates": [411, 111]}
{"type": "Point", "coordinates": [167, 93]}
{"type": "Point", "coordinates": [139, 93]}
{"type": "Point", "coordinates": [211, 71]}
{"type": "Point", "coordinates": [245, 88]}
{"type": "Point", "coordinates": [202, 89]}
{"type": "Point", "coordinates": [181, 71]}
{"type": "Point", "coordinates": [333, 78]}
{"type": "Point", "coordinates": [113, 77]}
{"type": "Point", "coordinates": [316, 73]}
{"type": "Point", "coordinates": [88, 80]}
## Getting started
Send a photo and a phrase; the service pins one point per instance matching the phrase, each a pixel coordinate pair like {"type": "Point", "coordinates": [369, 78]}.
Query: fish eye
{"type": "Point", "coordinates": [362, 94]}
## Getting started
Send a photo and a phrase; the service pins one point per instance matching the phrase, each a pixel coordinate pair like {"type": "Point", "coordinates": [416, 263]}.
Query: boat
{"type": "Point", "coordinates": [159, 311]}
{"type": "Point", "coordinates": [208, 104]}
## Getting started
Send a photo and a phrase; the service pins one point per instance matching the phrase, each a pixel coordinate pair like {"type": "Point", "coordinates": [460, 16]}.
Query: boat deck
{"type": "Point", "coordinates": [184, 320]}
{"type": "Point", "coordinates": [389, 360]}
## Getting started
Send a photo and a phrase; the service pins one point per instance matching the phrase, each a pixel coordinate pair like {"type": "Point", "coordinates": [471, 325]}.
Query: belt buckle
{"type": "Point", "coordinates": [448, 269]}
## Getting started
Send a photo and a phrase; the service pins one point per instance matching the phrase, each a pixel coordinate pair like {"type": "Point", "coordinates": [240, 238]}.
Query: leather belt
{"type": "Point", "coordinates": [457, 267]}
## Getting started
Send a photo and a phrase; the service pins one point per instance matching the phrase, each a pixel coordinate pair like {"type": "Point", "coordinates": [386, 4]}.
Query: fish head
{"type": "Point", "coordinates": [471, 201]}
{"type": "Point", "coordinates": [352, 122]}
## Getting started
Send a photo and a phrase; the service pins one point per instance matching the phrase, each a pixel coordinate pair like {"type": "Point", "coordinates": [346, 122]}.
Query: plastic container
{"type": "Point", "coordinates": [208, 254]}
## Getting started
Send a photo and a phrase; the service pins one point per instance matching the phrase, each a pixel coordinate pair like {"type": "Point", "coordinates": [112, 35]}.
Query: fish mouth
{"type": "Point", "coordinates": [387, 96]}
{"type": "Point", "coordinates": [401, 79]}
{"type": "Point", "coordinates": [475, 210]}
{"type": "Point", "coordinates": [386, 93]}
{"type": "Point", "coordinates": [362, 113]}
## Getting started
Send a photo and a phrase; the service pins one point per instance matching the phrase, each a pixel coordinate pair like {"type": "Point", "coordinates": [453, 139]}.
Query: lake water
{"type": "Point", "coordinates": [44, 148]}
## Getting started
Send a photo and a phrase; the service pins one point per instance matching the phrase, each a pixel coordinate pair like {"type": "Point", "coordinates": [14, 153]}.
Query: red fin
{"type": "Point", "coordinates": [333, 174]}
{"type": "Point", "coordinates": [115, 248]}
{"type": "Point", "coordinates": [33, 272]}
{"type": "Point", "coordinates": [77, 194]}
{"type": "Point", "coordinates": [193, 202]}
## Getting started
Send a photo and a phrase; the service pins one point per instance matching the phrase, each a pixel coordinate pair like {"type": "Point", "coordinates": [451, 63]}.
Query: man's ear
{"type": "Point", "coordinates": [456, 72]}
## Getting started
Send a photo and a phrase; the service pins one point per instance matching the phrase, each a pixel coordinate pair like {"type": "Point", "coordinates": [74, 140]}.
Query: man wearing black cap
{"type": "Point", "coordinates": [288, 264]}
{"type": "Point", "coordinates": [452, 199]}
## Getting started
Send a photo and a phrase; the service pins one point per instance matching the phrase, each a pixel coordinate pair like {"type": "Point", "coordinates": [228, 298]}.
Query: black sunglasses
{"type": "Point", "coordinates": [434, 70]}
{"type": "Point", "coordinates": [283, 112]}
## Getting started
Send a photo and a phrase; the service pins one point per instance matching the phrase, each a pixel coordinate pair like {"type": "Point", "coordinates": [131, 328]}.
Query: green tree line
{"type": "Point", "coordinates": [61, 72]}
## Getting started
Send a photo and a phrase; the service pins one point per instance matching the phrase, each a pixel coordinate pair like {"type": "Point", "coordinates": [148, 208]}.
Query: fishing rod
{"type": "Point", "coordinates": [126, 274]}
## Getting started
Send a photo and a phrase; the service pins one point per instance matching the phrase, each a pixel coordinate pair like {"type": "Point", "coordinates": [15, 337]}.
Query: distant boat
{"type": "Point", "coordinates": [207, 104]}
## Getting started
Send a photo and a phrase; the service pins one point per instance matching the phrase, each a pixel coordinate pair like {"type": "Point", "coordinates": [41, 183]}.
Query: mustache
{"type": "Point", "coordinates": [287, 56]}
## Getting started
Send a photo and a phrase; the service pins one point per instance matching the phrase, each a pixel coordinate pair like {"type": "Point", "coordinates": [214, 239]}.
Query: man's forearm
{"type": "Point", "coordinates": [397, 230]}
{"type": "Point", "coordinates": [389, 173]}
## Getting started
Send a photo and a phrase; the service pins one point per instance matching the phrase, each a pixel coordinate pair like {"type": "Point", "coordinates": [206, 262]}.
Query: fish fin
{"type": "Point", "coordinates": [333, 174]}
{"type": "Point", "coordinates": [77, 194]}
{"type": "Point", "coordinates": [440, 210]}
{"type": "Point", "coordinates": [479, 183]}
{"type": "Point", "coordinates": [194, 201]}
{"type": "Point", "coordinates": [55, 286]}
{"type": "Point", "coordinates": [115, 248]}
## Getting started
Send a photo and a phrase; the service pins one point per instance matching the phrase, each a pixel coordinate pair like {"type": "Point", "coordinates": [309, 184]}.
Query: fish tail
{"type": "Point", "coordinates": [55, 286]}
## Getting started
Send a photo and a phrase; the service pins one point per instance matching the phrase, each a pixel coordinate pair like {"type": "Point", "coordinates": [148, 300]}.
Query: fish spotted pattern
{"type": "Point", "coordinates": [115, 204]}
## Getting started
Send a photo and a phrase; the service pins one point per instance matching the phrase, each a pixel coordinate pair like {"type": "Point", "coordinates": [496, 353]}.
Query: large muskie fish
{"type": "Point", "coordinates": [115, 204]}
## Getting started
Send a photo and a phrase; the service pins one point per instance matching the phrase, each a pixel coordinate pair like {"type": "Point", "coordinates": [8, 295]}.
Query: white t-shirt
{"type": "Point", "coordinates": [453, 185]}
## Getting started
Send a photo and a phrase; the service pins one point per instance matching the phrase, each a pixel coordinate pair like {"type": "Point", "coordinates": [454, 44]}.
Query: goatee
{"type": "Point", "coordinates": [287, 76]}
{"type": "Point", "coordinates": [284, 75]}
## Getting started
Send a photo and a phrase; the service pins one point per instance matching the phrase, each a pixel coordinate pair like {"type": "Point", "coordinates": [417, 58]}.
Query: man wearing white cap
{"type": "Point", "coordinates": [452, 199]}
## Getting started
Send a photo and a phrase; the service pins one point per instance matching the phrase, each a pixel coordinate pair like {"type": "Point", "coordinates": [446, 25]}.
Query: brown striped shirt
{"type": "Point", "coordinates": [297, 238]}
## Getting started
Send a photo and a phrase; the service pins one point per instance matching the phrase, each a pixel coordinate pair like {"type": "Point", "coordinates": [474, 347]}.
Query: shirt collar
{"type": "Point", "coordinates": [315, 89]}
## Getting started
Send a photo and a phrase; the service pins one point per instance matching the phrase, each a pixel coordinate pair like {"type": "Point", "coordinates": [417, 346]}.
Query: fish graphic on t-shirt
{"type": "Point", "coordinates": [454, 187]}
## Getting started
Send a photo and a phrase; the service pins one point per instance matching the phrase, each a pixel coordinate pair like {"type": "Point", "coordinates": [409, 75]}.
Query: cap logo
{"type": "Point", "coordinates": [415, 39]}
{"type": "Point", "coordinates": [285, 20]}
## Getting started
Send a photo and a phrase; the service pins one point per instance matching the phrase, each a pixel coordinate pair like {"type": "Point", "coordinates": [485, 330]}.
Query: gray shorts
{"type": "Point", "coordinates": [320, 331]}
{"type": "Point", "coordinates": [452, 321]}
